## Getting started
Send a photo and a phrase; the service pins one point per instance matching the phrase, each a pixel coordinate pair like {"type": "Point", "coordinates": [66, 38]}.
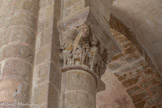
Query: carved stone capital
{"type": "Point", "coordinates": [81, 48]}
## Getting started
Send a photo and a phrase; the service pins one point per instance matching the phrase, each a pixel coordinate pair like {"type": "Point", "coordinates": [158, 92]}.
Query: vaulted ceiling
{"type": "Point", "coordinates": [143, 18]}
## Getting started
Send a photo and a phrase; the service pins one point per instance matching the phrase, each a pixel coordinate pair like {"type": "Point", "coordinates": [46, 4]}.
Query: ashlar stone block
{"type": "Point", "coordinates": [79, 99]}
{"type": "Point", "coordinates": [17, 69]}
{"type": "Point", "coordinates": [43, 54]}
{"type": "Point", "coordinates": [19, 51]}
{"type": "Point", "coordinates": [80, 80]}
{"type": "Point", "coordinates": [40, 94]}
{"type": "Point", "coordinates": [22, 35]}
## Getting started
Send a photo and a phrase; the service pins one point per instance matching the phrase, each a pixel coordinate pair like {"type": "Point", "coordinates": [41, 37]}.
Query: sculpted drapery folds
{"type": "Point", "coordinates": [81, 48]}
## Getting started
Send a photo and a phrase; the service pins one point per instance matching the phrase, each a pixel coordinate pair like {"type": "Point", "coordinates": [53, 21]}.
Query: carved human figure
{"type": "Point", "coordinates": [82, 37]}
{"type": "Point", "coordinates": [77, 56]}
{"type": "Point", "coordinates": [67, 40]}
{"type": "Point", "coordinates": [85, 58]}
{"type": "Point", "coordinates": [81, 47]}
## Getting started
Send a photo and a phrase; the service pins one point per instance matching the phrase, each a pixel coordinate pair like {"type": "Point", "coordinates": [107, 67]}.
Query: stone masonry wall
{"type": "Point", "coordinates": [141, 81]}
{"type": "Point", "coordinates": [114, 95]}
{"type": "Point", "coordinates": [18, 20]}
{"type": "Point", "coordinates": [47, 75]}
{"type": "Point", "coordinates": [69, 7]}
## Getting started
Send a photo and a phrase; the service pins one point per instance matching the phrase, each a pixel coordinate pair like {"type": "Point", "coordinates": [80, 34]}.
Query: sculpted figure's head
{"type": "Point", "coordinates": [84, 30]}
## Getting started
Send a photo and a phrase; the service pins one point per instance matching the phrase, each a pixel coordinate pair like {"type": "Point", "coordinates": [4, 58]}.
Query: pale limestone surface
{"type": "Point", "coordinates": [78, 89]}
{"type": "Point", "coordinates": [46, 74]}
{"type": "Point", "coordinates": [144, 19]}
{"type": "Point", "coordinates": [115, 95]}
{"type": "Point", "coordinates": [82, 57]}
{"type": "Point", "coordinates": [17, 41]}
{"type": "Point", "coordinates": [30, 70]}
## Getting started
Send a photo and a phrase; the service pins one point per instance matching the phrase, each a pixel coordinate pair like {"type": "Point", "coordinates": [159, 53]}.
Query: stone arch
{"type": "Point", "coordinates": [140, 22]}
{"type": "Point", "coordinates": [139, 79]}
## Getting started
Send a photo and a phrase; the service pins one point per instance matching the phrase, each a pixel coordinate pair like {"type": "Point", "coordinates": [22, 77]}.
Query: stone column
{"type": "Point", "coordinates": [79, 89]}
{"type": "Point", "coordinates": [17, 43]}
{"type": "Point", "coordinates": [83, 62]}
{"type": "Point", "coordinates": [46, 75]}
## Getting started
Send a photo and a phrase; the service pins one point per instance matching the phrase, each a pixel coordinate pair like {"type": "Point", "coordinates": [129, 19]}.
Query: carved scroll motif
{"type": "Point", "coordinates": [80, 47]}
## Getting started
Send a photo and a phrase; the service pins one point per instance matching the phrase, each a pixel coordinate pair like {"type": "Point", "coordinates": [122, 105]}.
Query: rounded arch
{"type": "Point", "coordinates": [140, 82]}
{"type": "Point", "coordinates": [140, 21]}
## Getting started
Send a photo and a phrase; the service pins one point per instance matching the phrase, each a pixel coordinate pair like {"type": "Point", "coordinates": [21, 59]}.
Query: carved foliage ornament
{"type": "Point", "coordinates": [80, 47]}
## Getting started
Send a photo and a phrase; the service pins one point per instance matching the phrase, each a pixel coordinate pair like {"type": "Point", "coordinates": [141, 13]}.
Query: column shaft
{"type": "Point", "coordinates": [17, 42]}
{"type": "Point", "coordinates": [46, 74]}
{"type": "Point", "coordinates": [83, 57]}
{"type": "Point", "coordinates": [79, 89]}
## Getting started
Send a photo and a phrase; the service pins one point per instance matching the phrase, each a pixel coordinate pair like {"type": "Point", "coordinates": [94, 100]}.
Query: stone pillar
{"type": "Point", "coordinates": [17, 43]}
{"type": "Point", "coordinates": [83, 62]}
{"type": "Point", "coordinates": [46, 75]}
{"type": "Point", "coordinates": [79, 89]}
